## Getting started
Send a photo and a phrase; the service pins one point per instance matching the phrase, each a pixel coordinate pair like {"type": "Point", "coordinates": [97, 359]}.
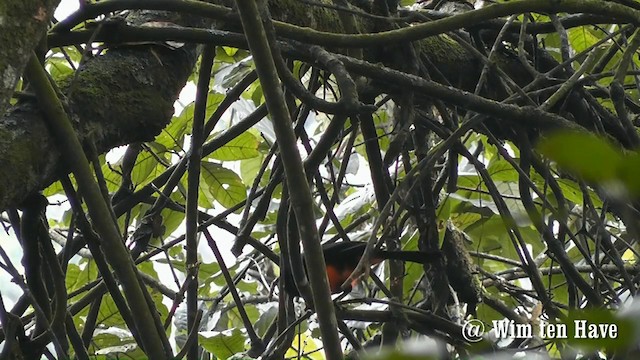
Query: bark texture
{"type": "Point", "coordinates": [22, 25]}
{"type": "Point", "coordinates": [123, 96]}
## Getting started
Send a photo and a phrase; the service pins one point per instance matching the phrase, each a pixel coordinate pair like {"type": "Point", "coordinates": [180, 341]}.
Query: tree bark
{"type": "Point", "coordinates": [123, 96]}
{"type": "Point", "coordinates": [22, 25]}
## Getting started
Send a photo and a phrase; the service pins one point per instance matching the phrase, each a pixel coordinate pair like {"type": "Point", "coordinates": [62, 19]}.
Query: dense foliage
{"type": "Point", "coordinates": [502, 133]}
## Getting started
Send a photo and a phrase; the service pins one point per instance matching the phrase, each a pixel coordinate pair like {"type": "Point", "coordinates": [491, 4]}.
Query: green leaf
{"type": "Point", "coordinates": [225, 55]}
{"type": "Point", "coordinates": [308, 345]}
{"type": "Point", "coordinates": [249, 169]}
{"type": "Point", "coordinates": [80, 275]}
{"type": "Point", "coordinates": [551, 41]}
{"type": "Point", "coordinates": [581, 38]}
{"type": "Point", "coordinates": [171, 220]}
{"type": "Point", "coordinates": [236, 320]}
{"type": "Point", "coordinates": [241, 356]}
{"type": "Point", "coordinates": [255, 93]}
{"type": "Point", "coordinates": [123, 348]}
{"type": "Point", "coordinates": [145, 164]}
{"type": "Point", "coordinates": [572, 192]}
{"type": "Point", "coordinates": [240, 70]}
{"type": "Point", "coordinates": [444, 209]}
{"type": "Point", "coordinates": [250, 287]}
{"type": "Point", "coordinates": [244, 146]}
{"type": "Point", "coordinates": [222, 185]}
{"type": "Point", "coordinates": [594, 329]}
{"type": "Point", "coordinates": [586, 155]}
{"type": "Point", "coordinates": [59, 68]}
{"type": "Point", "coordinates": [109, 315]}
{"type": "Point", "coordinates": [73, 277]}
{"type": "Point", "coordinates": [208, 270]}
{"type": "Point", "coordinates": [179, 126]}
{"type": "Point", "coordinates": [53, 189]}
{"type": "Point", "coordinates": [501, 170]}
{"type": "Point", "coordinates": [113, 342]}
{"type": "Point", "coordinates": [156, 296]}
{"type": "Point", "coordinates": [630, 173]}
{"type": "Point", "coordinates": [173, 135]}
{"type": "Point", "coordinates": [112, 177]}
{"type": "Point", "coordinates": [229, 55]}
{"type": "Point", "coordinates": [469, 181]}
{"type": "Point", "coordinates": [265, 320]}
{"type": "Point", "coordinates": [224, 344]}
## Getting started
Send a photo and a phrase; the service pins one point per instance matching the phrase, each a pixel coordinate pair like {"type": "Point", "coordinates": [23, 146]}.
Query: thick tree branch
{"type": "Point", "coordinates": [124, 96]}
{"type": "Point", "coordinates": [29, 19]}
{"type": "Point", "coordinates": [114, 247]}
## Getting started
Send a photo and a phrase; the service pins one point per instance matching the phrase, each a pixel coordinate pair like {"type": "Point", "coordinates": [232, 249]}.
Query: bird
{"type": "Point", "coordinates": [341, 259]}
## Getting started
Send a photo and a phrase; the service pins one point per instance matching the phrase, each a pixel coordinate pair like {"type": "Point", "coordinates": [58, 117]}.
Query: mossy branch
{"type": "Point", "coordinates": [113, 246]}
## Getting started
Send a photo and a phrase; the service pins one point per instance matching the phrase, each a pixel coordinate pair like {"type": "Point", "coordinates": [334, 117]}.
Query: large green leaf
{"type": "Point", "coordinates": [244, 146]}
{"type": "Point", "coordinates": [109, 315]}
{"type": "Point", "coordinates": [59, 68]}
{"type": "Point", "coordinates": [80, 275]}
{"type": "Point", "coordinates": [172, 137]}
{"type": "Point", "coordinates": [145, 165]}
{"type": "Point", "coordinates": [595, 159]}
{"type": "Point", "coordinates": [224, 344]}
{"type": "Point", "coordinates": [265, 319]}
{"type": "Point", "coordinates": [111, 342]}
{"type": "Point", "coordinates": [222, 185]}
{"type": "Point", "coordinates": [587, 155]}
{"type": "Point", "coordinates": [582, 37]}
{"type": "Point", "coordinates": [501, 170]}
{"type": "Point", "coordinates": [249, 168]}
